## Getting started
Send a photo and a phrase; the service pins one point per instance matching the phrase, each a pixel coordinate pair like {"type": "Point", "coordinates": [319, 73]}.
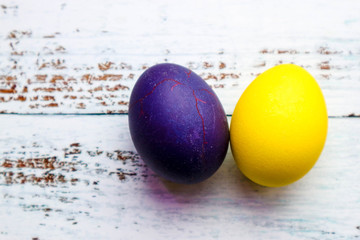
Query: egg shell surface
{"type": "Point", "coordinates": [177, 124]}
{"type": "Point", "coordinates": [279, 126]}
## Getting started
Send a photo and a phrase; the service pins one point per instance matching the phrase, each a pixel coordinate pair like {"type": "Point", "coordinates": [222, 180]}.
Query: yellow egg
{"type": "Point", "coordinates": [279, 126]}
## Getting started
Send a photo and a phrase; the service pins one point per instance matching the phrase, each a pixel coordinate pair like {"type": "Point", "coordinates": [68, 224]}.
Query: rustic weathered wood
{"type": "Point", "coordinates": [78, 177]}
{"type": "Point", "coordinates": [85, 56]}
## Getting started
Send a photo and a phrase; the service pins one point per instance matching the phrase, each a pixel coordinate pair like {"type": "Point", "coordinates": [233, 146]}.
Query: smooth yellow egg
{"type": "Point", "coordinates": [279, 126]}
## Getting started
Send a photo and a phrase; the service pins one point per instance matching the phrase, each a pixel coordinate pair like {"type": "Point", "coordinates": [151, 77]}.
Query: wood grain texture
{"type": "Point", "coordinates": [79, 176]}
{"type": "Point", "coordinates": [94, 186]}
{"type": "Point", "coordinates": [85, 56]}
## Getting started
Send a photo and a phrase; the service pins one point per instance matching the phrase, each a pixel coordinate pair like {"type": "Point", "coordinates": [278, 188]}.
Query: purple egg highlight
{"type": "Point", "coordinates": [177, 124]}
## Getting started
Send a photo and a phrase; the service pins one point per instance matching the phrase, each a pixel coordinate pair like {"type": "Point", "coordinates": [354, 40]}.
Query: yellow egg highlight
{"type": "Point", "coordinates": [279, 126]}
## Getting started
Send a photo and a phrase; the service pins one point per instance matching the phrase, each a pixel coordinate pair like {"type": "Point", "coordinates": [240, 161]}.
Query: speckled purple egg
{"type": "Point", "coordinates": [178, 124]}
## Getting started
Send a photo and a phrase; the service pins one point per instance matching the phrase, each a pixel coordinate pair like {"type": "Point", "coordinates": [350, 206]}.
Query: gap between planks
{"type": "Point", "coordinates": [352, 115]}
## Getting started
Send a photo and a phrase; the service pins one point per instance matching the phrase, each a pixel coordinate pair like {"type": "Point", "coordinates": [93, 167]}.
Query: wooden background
{"type": "Point", "coordinates": [68, 168]}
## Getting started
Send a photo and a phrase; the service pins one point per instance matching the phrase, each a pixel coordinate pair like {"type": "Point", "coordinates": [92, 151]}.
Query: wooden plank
{"type": "Point", "coordinates": [84, 57]}
{"type": "Point", "coordinates": [79, 177]}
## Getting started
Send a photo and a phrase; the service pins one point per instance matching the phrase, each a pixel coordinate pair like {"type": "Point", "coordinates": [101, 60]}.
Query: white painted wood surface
{"type": "Point", "coordinates": [79, 177]}
{"type": "Point", "coordinates": [85, 56]}
{"type": "Point", "coordinates": [106, 191]}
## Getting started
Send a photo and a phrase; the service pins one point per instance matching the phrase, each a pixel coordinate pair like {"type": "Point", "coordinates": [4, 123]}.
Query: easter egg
{"type": "Point", "coordinates": [279, 126]}
{"type": "Point", "coordinates": [177, 124]}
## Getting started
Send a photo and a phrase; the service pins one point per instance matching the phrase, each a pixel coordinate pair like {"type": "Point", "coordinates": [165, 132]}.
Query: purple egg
{"type": "Point", "coordinates": [178, 124]}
